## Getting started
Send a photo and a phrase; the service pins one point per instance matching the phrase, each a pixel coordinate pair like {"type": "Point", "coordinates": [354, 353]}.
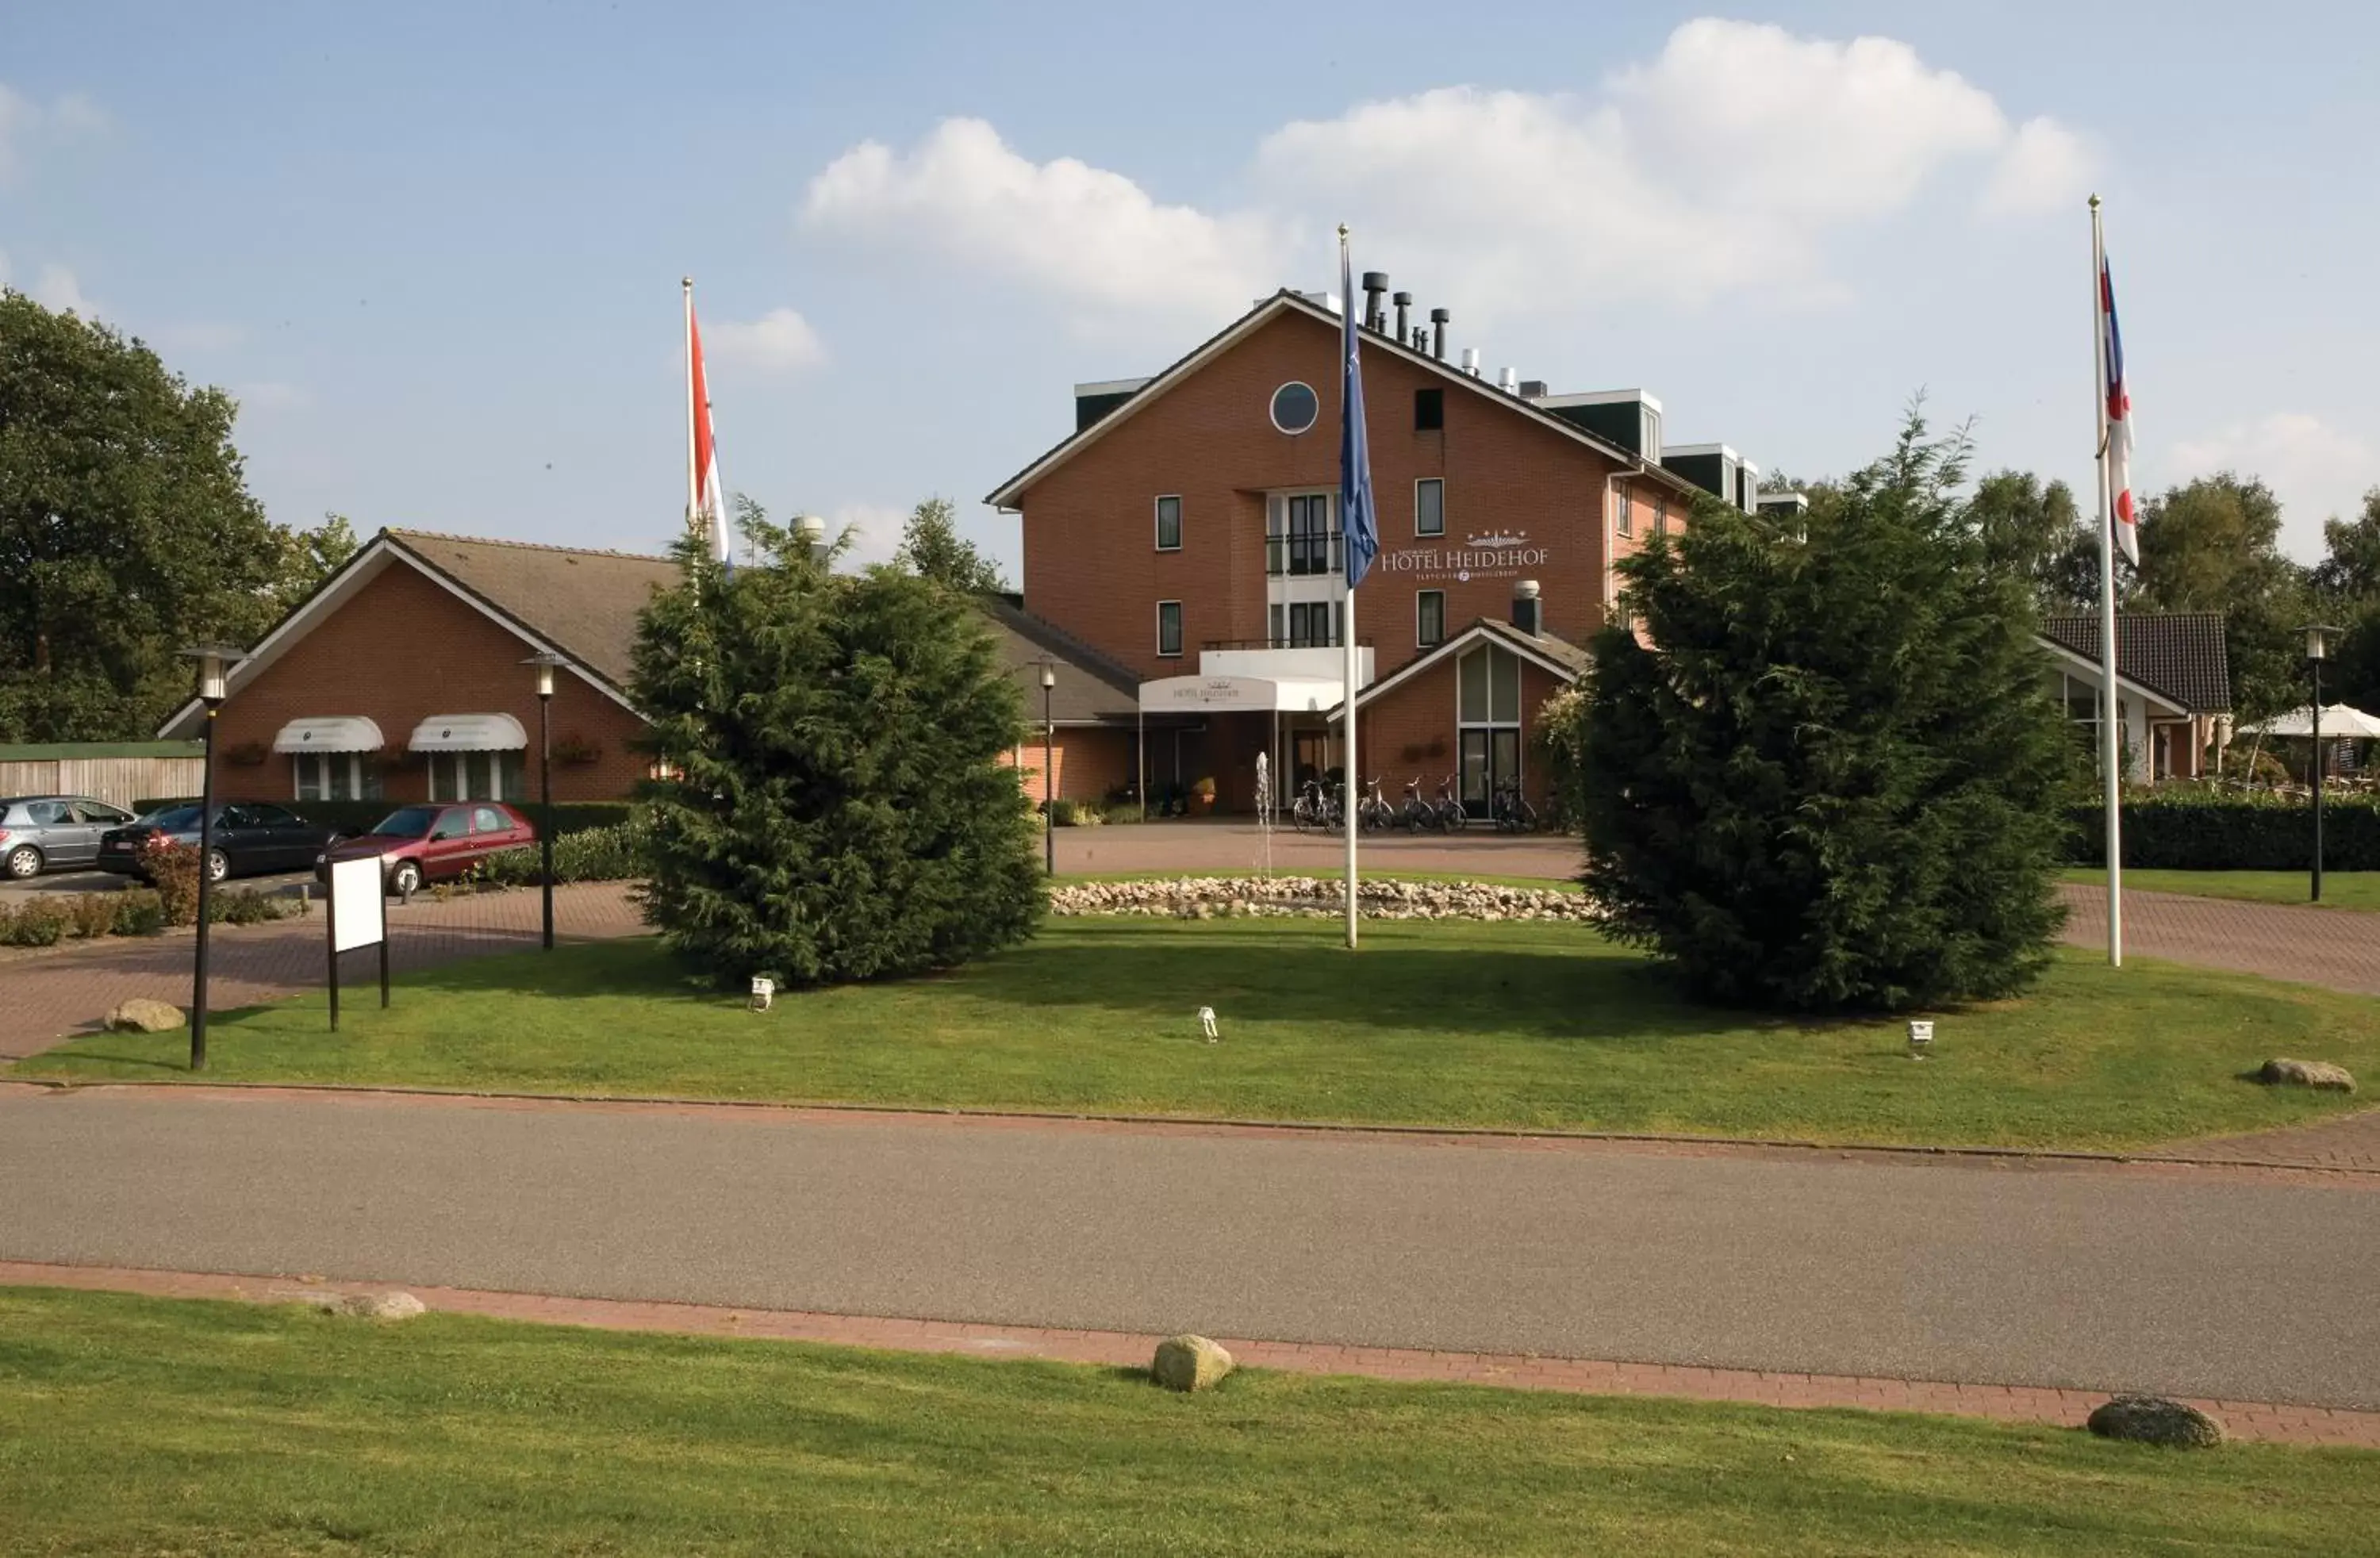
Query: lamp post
{"type": "Point", "coordinates": [215, 662]}
{"type": "Point", "coordinates": [1049, 773]}
{"type": "Point", "coordinates": [546, 663]}
{"type": "Point", "coordinates": [2317, 647]}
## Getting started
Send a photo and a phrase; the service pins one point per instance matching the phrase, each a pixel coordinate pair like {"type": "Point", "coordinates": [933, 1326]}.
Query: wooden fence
{"type": "Point", "coordinates": [120, 781]}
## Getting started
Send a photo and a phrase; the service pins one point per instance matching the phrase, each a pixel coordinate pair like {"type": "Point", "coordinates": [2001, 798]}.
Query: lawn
{"type": "Point", "coordinates": [1512, 1024]}
{"type": "Point", "coordinates": [139, 1425]}
{"type": "Point", "coordinates": [2345, 890]}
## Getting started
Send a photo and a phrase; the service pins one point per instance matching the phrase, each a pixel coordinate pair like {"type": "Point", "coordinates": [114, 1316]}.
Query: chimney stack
{"type": "Point", "coordinates": [1403, 300]}
{"type": "Point", "coordinates": [1438, 318]}
{"type": "Point", "coordinates": [1528, 615]}
{"type": "Point", "coordinates": [1509, 380]}
{"type": "Point", "coordinates": [1470, 361]}
{"type": "Point", "coordinates": [1375, 283]}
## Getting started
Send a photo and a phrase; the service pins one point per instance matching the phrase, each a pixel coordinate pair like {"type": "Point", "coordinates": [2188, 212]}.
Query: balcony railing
{"type": "Point", "coordinates": [1304, 556]}
{"type": "Point", "coordinates": [1277, 643]}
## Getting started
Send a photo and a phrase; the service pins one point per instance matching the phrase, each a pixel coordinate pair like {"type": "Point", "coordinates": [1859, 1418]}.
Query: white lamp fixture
{"type": "Point", "coordinates": [764, 991]}
{"type": "Point", "coordinates": [1921, 1037]}
{"type": "Point", "coordinates": [2317, 640]}
{"type": "Point", "coordinates": [215, 662]}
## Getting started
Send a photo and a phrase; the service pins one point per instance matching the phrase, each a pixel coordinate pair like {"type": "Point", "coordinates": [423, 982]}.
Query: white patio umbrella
{"type": "Point", "coordinates": [2338, 720]}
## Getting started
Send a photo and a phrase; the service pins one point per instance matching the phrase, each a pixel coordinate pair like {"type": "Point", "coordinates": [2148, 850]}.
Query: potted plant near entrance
{"type": "Point", "coordinates": [1202, 797]}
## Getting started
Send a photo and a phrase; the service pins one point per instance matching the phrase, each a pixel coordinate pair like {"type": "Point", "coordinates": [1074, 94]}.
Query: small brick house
{"type": "Point", "coordinates": [1188, 531]}
{"type": "Point", "coordinates": [402, 678]}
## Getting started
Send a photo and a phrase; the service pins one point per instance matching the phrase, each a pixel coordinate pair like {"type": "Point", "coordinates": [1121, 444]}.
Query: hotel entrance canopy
{"type": "Point", "coordinates": [1221, 694]}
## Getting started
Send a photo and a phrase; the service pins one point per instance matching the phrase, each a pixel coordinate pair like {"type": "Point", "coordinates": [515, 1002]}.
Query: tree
{"type": "Point", "coordinates": [2037, 535]}
{"type": "Point", "coordinates": [1834, 780]}
{"type": "Point", "coordinates": [835, 809]}
{"type": "Point", "coordinates": [126, 530]}
{"type": "Point", "coordinates": [2349, 573]}
{"type": "Point", "coordinates": [932, 548]}
{"type": "Point", "coordinates": [2214, 545]}
{"type": "Point", "coordinates": [311, 556]}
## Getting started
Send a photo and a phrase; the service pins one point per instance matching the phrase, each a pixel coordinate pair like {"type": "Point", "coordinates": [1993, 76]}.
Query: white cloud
{"type": "Point", "coordinates": [1725, 163]}
{"type": "Point", "coordinates": [57, 289]}
{"type": "Point", "coordinates": [1089, 234]}
{"type": "Point", "coordinates": [875, 531]}
{"type": "Point", "coordinates": [780, 341]}
{"type": "Point", "coordinates": [2044, 168]}
{"type": "Point", "coordinates": [23, 120]}
{"type": "Point", "coordinates": [2317, 472]}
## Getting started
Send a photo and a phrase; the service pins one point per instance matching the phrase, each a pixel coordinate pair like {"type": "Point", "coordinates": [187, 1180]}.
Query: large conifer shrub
{"type": "Point", "coordinates": [1835, 778]}
{"type": "Point", "coordinates": [833, 808]}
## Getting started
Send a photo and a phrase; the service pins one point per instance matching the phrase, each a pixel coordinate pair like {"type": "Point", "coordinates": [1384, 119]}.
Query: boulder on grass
{"type": "Point", "coordinates": [142, 1015]}
{"type": "Point", "coordinates": [1190, 1363]}
{"type": "Point", "coordinates": [2306, 1074]}
{"type": "Point", "coordinates": [2152, 1419]}
{"type": "Point", "coordinates": [384, 1306]}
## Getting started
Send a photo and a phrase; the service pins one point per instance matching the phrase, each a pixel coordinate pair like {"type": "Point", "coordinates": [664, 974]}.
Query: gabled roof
{"type": "Point", "coordinates": [1288, 302]}
{"type": "Point", "coordinates": [1092, 689]}
{"type": "Point", "coordinates": [1559, 656]}
{"type": "Point", "coordinates": [573, 601]}
{"type": "Point", "coordinates": [2177, 654]}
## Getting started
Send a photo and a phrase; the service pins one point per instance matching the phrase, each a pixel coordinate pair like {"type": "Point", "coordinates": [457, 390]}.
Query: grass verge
{"type": "Point", "coordinates": [148, 1425]}
{"type": "Point", "coordinates": [1526, 1024]}
{"type": "Point", "coordinates": [2342, 890]}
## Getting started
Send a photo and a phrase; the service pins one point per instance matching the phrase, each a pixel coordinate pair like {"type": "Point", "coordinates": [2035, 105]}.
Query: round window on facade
{"type": "Point", "coordinates": [1295, 406]}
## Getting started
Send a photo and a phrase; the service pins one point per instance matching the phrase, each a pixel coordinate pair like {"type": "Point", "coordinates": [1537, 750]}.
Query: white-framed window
{"type": "Point", "coordinates": [1169, 523]}
{"type": "Point", "coordinates": [1624, 512]}
{"type": "Point", "coordinates": [1488, 724]}
{"type": "Point", "coordinates": [1430, 618]}
{"type": "Point", "coordinates": [479, 776]}
{"type": "Point", "coordinates": [335, 776]}
{"type": "Point", "coordinates": [1315, 624]}
{"type": "Point", "coordinates": [1168, 629]}
{"type": "Point", "coordinates": [1429, 506]}
{"type": "Point", "coordinates": [1278, 621]}
{"type": "Point", "coordinates": [1295, 407]}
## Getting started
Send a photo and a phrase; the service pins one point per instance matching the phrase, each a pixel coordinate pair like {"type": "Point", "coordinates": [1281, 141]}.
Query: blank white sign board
{"type": "Point", "coordinates": [359, 910]}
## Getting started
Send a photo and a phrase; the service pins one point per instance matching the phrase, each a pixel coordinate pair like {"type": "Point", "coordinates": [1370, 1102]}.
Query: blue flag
{"type": "Point", "coordinates": [1355, 515]}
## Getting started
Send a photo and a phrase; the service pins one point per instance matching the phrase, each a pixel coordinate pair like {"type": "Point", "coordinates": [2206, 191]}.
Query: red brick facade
{"type": "Point", "coordinates": [1091, 763]}
{"type": "Point", "coordinates": [406, 648]}
{"type": "Point", "coordinates": [1092, 567]}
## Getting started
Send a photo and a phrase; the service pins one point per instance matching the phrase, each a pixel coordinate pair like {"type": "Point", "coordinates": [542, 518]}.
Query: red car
{"type": "Point", "coordinates": [435, 842]}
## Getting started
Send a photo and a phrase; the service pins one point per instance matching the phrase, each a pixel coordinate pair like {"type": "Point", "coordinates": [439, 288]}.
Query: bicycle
{"type": "Point", "coordinates": [1313, 809]}
{"type": "Point", "coordinates": [1415, 813]}
{"type": "Point", "coordinates": [1452, 816]}
{"type": "Point", "coordinates": [1374, 810]}
{"type": "Point", "coordinates": [1514, 813]}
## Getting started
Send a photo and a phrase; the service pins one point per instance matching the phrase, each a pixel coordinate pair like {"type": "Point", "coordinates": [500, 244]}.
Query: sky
{"type": "Point", "coordinates": [434, 250]}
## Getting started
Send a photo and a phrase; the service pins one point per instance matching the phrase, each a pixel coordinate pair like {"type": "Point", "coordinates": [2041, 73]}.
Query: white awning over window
{"type": "Point", "coordinates": [329, 732]}
{"type": "Point", "coordinates": [468, 733]}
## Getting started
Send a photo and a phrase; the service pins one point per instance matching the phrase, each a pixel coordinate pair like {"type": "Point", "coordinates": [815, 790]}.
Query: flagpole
{"type": "Point", "coordinates": [693, 477]}
{"type": "Point", "coordinates": [1347, 557]}
{"type": "Point", "coordinates": [2110, 731]}
{"type": "Point", "coordinates": [1348, 634]}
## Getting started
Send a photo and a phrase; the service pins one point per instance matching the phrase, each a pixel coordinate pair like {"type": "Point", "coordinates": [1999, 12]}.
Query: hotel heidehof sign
{"type": "Point", "coordinates": [1490, 554]}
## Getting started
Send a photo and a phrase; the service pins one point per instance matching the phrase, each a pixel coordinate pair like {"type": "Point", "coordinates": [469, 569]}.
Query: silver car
{"type": "Point", "coordinates": [53, 832]}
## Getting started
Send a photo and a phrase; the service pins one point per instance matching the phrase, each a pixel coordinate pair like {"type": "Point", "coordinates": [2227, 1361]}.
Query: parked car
{"type": "Point", "coordinates": [53, 832]}
{"type": "Point", "coordinates": [433, 841]}
{"type": "Point", "coordinates": [249, 836]}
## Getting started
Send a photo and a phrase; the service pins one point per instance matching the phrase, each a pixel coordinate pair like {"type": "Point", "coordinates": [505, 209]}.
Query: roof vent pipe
{"type": "Point", "coordinates": [1528, 612]}
{"type": "Point", "coordinates": [1438, 318]}
{"type": "Point", "coordinates": [1470, 361]}
{"type": "Point", "coordinates": [1403, 300]}
{"type": "Point", "coordinates": [1509, 380]}
{"type": "Point", "coordinates": [1375, 283]}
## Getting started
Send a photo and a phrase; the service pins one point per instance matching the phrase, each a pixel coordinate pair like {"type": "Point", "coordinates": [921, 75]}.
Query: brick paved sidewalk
{"type": "Point", "coordinates": [2273, 1422]}
{"type": "Point", "coordinates": [49, 994]}
{"type": "Point", "coordinates": [2337, 948]}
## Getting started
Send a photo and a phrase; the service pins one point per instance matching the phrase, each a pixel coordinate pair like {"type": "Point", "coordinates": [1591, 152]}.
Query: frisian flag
{"type": "Point", "coordinates": [706, 500]}
{"type": "Point", "coordinates": [2120, 422]}
{"type": "Point", "coordinates": [1355, 513]}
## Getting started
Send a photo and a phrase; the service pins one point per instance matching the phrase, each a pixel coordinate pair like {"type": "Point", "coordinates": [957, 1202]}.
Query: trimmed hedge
{"type": "Point", "coordinates": [358, 816]}
{"type": "Point", "coordinates": [2206, 831]}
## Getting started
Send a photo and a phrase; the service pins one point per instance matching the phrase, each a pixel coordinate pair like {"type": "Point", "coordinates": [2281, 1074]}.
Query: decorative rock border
{"type": "Point", "coordinates": [1211, 897]}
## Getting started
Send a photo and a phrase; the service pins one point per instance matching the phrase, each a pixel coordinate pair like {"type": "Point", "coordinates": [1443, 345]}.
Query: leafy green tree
{"type": "Point", "coordinates": [836, 810]}
{"type": "Point", "coordinates": [308, 557]}
{"type": "Point", "coordinates": [126, 530]}
{"type": "Point", "coordinates": [932, 548]}
{"type": "Point", "coordinates": [1834, 779]}
{"type": "Point", "coordinates": [2349, 570]}
{"type": "Point", "coordinates": [2214, 545]}
{"type": "Point", "coordinates": [2034, 533]}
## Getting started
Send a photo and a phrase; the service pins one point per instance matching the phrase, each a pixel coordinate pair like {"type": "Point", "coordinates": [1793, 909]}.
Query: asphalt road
{"type": "Point", "coordinates": [2191, 1282]}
